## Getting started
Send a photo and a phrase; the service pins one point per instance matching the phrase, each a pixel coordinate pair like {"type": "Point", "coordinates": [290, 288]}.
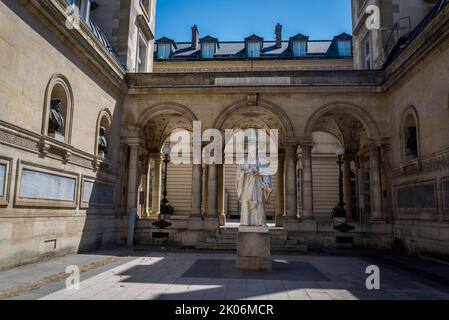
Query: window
{"type": "Point", "coordinates": [146, 4]}
{"type": "Point", "coordinates": [367, 60]}
{"type": "Point", "coordinates": [82, 7]}
{"type": "Point", "coordinates": [142, 55]}
{"type": "Point", "coordinates": [361, 4]}
{"type": "Point", "coordinates": [207, 50]}
{"type": "Point", "coordinates": [344, 48]}
{"type": "Point", "coordinates": [163, 50]}
{"type": "Point", "coordinates": [253, 49]}
{"type": "Point", "coordinates": [299, 48]}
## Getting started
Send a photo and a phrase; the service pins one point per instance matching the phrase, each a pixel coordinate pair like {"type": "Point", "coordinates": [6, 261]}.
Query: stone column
{"type": "Point", "coordinates": [347, 184]}
{"type": "Point", "coordinates": [375, 186]}
{"type": "Point", "coordinates": [290, 182]}
{"type": "Point", "coordinates": [280, 205]}
{"type": "Point", "coordinates": [307, 188]}
{"type": "Point", "coordinates": [132, 188]}
{"type": "Point", "coordinates": [196, 190]}
{"type": "Point", "coordinates": [212, 191]}
{"type": "Point", "coordinates": [156, 183]}
{"type": "Point", "coordinates": [220, 195]}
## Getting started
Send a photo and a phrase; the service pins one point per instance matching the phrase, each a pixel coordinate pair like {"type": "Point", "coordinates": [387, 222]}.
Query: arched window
{"type": "Point", "coordinates": [58, 110]}
{"type": "Point", "coordinates": [410, 134]}
{"type": "Point", "coordinates": [103, 134]}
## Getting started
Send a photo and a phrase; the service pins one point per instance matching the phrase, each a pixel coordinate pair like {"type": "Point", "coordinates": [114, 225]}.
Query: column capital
{"type": "Point", "coordinates": [155, 155]}
{"type": "Point", "coordinates": [296, 140]}
{"type": "Point", "coordinates": [132, 141]}
{"type": "Point", "coordinates": [306, 150]}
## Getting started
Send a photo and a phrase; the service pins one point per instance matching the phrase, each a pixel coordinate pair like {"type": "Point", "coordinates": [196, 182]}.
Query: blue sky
{"type": "Point", "coordinates": [236, 19]}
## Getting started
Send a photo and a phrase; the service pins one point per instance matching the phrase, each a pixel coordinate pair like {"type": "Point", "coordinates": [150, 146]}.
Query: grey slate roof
{"type": "Point", "coordinates": [229, 50]}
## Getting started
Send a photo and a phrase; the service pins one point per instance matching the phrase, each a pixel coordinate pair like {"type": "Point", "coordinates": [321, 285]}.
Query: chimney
{"type": "Point", "coordinates": [278, 32]}
{"type": "Point", "coordinates": [195, 37]}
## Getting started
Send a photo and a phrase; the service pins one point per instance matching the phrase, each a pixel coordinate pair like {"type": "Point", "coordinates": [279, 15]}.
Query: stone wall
{"type": "Point", "coordinates": [49, 205]}
{"type": "Point", "coordinates": [424, 93]}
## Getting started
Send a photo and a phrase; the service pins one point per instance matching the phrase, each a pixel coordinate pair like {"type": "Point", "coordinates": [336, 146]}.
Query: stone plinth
{"type": "Point", "coordinates": [253, 249]}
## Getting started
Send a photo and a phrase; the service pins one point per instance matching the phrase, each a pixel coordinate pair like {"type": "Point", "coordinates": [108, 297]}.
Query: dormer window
{"type": "Point", "coordinates": [208, 47]}
{"type": "Point", "coordinates": [253, 46]}
{"type": "Point", "coordinates": [299, 48]}
{"type": "Point", "coordinates": [207, 50]}
{"type": "Point", "coordinates": [344, 48]}
{"type": "Point", "coordinates": [165, 48]}
{"type": "Point", "coordinates": [298, 45]}
{"type": "Point", "coordinates": [253, 49]}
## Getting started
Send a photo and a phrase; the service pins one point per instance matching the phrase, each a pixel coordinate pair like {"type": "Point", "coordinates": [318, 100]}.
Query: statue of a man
{"type": "Point", "coordinates": [56, 120]}
{"type": "Point", "coordinates": [102, 142]}
{"type": "Point", "coordinates": [253, 189]}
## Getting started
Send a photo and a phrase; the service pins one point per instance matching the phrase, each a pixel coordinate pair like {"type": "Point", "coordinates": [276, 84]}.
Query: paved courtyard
{"type": "Point", "coordinates": [146, 273]}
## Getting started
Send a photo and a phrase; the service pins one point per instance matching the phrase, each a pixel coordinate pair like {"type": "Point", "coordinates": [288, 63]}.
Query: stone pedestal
{"type": "Point", "coordinates": [254, 249]}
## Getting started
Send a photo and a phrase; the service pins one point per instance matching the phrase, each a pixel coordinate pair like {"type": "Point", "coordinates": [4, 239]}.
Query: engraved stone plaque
{"type": "Point", "coordinates": [98, 193]}
{"type": "Point", "coordinates": [41, 185]}
{"type": "Point", "coordinates": [416, 197]}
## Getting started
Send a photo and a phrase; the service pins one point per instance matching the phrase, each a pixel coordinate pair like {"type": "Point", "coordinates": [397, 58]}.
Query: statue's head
{"type": "Point", "coordinates": [56, 104]}
{"type": "Point", "coordinates": [102, 131]}
{"type": "Point", "coordinates": [252, 150]}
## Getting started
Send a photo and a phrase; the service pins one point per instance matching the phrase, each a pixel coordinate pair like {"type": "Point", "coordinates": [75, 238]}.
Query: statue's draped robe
{"type": "Point", "coordinates": [253, 190]}
{"type": "Point", "coordinates": [102, 144]}
{"type": "Point", "coordinates": [56, 120]}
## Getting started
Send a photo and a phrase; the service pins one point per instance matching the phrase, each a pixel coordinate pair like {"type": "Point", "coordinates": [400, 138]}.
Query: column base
{"type": "Point", "coordinates": [279, 220]}
{"type": "Point", "coordinates": [222, 220]}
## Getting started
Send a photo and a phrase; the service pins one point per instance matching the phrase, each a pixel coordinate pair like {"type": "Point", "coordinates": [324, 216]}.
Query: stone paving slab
{"type": "Point", "coordinates": [160, 275]}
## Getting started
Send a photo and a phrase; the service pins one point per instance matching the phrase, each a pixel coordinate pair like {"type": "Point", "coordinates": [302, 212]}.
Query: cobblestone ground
{"type": "Point", "coordinates": [192, 276]}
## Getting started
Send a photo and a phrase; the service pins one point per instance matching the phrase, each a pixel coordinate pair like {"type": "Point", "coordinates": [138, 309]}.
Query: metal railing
{"type": "Point", "coordinates": [399, 29]}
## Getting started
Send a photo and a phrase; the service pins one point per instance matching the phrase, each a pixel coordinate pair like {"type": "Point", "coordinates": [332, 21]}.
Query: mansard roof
{"type": "Point", "coordinates": [236, 50]}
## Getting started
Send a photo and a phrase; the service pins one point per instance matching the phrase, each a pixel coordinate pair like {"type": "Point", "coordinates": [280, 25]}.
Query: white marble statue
{"type": "Point", "coordinates": [253, 189]}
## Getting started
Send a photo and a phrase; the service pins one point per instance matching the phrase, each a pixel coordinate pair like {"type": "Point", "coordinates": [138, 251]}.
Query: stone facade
{"type": "Point", "coordinates": [60, 196]}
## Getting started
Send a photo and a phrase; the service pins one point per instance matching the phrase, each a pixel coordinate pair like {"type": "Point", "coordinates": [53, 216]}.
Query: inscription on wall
{"type": "Point", "coordinates": [41, 185]}
{"type": "Point", "coordinates": [416, 197]}
{"type": "Point", "coordinates": [2, 179]}
{"type": "Point", "coordinates": [98, 193]}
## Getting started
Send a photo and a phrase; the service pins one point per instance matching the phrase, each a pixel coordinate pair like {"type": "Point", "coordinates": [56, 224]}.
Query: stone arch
{"type": "Point", "coordinates": [409, 112]}
{"type": "Point", "coordinates": [104, 119]}
{"type": "Point", "coordinates": [60, 82]}
{"type": "Point", "coordinates": [274, 109]}
{"type": "Point", "coordinates": [157, 121]}
{"type": "Point", "coordinates": [344, 107]}
{"type": "Point", "coordinates": [164, 107]}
